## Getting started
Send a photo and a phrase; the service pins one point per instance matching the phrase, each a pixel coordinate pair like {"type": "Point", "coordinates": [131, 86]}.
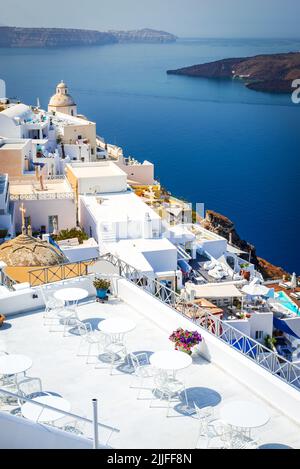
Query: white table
{"type": "Point", "coordinates": [38, 414]}
{"type": "Point", "coordinates": [116, 327]}
{"type": "Point", "coordinates": [244, 414]}
{"type": "Point", "coordinates": [172, 360]}
{"type": "Point", "coordinates": [13, 364]}
{"type": "Point", "coordinates": [71, 295]}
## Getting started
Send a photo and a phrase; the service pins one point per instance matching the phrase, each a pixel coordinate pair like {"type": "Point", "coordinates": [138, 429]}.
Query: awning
{"type": "Point", "coordinates": [255, 290]}
{"type": "Point", "coordinates": [235, 250]}
{"type": "Point", "coordinates": [221, 290]}
{"type": "Point", "coordinates": [287, 326]}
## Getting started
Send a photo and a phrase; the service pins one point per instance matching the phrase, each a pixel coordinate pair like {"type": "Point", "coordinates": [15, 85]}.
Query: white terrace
{"type": "Point", "coordinates": [208, 382]}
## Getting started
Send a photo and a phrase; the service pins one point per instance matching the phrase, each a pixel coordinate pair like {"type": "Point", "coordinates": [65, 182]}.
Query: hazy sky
{"type": "Point", "coordinates": [216, 18]}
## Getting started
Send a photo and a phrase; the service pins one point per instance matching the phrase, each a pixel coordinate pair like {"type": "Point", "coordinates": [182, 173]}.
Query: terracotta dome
{"type": "Point", "coordinates": [27, 251]}
{"type": "Point", "coordinates": [61, 98]}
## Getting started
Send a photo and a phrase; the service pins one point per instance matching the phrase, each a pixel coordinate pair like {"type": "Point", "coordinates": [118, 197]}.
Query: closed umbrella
{"type": "Point", "coordinates": [255, 290]}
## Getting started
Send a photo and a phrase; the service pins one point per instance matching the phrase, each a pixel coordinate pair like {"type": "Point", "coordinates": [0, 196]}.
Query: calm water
{"type": "Point", "coordinates": [212, 141]}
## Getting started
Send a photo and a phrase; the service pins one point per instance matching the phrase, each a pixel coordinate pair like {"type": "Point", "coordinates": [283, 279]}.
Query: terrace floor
{"type": "Point", "coordinates": [55, 362]}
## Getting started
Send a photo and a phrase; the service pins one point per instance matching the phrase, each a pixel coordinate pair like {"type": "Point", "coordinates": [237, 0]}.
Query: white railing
{"type": "Point", "coordinates": [17, 398]}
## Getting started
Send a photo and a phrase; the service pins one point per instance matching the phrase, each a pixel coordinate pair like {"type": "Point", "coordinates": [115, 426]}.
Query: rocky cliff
{"type": "Point", "coordinates": [222, 226]}
{"type": "Point", "coordinates": [273, 72]}
{"type": "Point", "coordinates": [144, 35]}
{"type": "Point", "coordinates": [60, 37]}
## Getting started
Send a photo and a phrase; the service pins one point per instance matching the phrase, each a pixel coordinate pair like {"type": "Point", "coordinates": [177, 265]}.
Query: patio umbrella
{"type": "Point", "coordinates": [255, 290]}
{"type": "Point", "coordinates": [294, 280]}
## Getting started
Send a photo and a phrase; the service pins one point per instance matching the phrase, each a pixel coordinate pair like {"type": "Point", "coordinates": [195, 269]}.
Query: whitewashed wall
{"type": "Point", "coordinates": [261, 382]}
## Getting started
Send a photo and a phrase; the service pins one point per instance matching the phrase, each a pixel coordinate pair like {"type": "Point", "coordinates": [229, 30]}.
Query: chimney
{"type": "Point", "coordinates": [41, 182]}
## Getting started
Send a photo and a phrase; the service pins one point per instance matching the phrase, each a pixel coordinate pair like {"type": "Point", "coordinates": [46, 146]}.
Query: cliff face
{"type": "Point", "coordinates": [272, 73]}
{"type": "Point", "coordinates": [144, 35]}
{"type": "Point", "coordinates": [222, 226]}
{"type": "Point", "coordinates": [60, 37]}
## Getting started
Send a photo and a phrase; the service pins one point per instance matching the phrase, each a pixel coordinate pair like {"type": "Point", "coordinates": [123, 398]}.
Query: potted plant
{"type": "Point", "coordinates": [2, 319]}
{"type": "Point", "coordinates": [101, 286]}
{"type": "Point", "coordinates": [184, 340]}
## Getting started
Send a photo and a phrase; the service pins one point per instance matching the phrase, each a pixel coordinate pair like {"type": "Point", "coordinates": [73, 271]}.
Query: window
{"type": "Point", "coordinates": [259, 335]}
{"type": "Point", "coordinates": [53, 224]}
{"type": "Point", "coordinates": [27, 221]}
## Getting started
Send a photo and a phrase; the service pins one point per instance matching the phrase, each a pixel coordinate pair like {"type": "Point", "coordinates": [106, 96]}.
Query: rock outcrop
{"type": "Point", "coordinates": [222, 226]}
{"type": "Point", "coordinates": [270, 72]}
{"type": "Point", "coordinates": [65, 37]}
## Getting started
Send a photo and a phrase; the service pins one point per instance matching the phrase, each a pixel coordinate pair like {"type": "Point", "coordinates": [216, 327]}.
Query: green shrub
{"type": "Point", "coordinates": [101, 284]}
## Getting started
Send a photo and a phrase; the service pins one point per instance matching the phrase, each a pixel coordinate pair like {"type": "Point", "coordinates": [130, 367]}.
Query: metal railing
{"type": "Point", "coordinates": [43, 196]}
{"type": "Point", "coordinates": [59, 272]}
{"type": "Point", "coordinates": [42, 406]}
{"type": "Point", "coordinates": [250, 348]}
{"type": "Point", "coordinates": [6, 280]}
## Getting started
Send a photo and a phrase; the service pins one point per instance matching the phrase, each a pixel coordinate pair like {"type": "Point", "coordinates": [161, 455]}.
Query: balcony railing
{"type": "Point", "coordinates": [43, 196]}
{"type": "Point", "coordinates": [227, 333]}
{"type": "Point", "coordinates": [250, 348]}
{"type": "Point", "coordinates": [13, 397]}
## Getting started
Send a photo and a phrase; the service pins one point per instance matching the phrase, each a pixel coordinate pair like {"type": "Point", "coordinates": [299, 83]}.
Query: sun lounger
{"type": "Point", "coordinates": [286, 285]}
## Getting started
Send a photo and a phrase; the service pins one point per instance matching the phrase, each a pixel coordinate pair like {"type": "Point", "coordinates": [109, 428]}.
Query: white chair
{"type": "Point", "coordinates": [142, 369]}
{"type": "Point", "coordinates": [90, 338]}
{"type": "Point", "coordinates": [114, 350]}
{"type": "Point", "coordinates": [169, 388]}
{"type": "Point", "coordinates": [206, 417]}
{"type": "Point", "coordinates": [104, 344]}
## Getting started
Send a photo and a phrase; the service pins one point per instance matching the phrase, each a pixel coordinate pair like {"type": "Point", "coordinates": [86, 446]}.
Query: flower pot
{"type": "Point", "coordinates": [101, 293]}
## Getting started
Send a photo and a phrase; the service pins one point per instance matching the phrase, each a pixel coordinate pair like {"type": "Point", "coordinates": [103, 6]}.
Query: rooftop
{"type": "Point", "coordinates": [55, 362]}
{"type": "Point", "coordinates": [14, 146]}
{"type": "Point", "coordinates": [95, 170]}
{"type": "Point", "coordinates": [119, 206]}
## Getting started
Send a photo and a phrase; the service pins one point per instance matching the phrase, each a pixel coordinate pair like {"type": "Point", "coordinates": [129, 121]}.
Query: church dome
{"type": "Point", "coordinates": [27, 251]}
{"type": "Point", "coordinates": [61, 98]}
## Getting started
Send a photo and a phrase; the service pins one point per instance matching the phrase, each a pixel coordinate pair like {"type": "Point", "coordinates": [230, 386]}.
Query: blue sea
{"type": "Point", "coordinates": [212, 141]}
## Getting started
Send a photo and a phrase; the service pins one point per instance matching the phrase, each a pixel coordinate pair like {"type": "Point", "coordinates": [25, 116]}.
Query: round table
{"type": "Point", "coordinates": [38, 414]}
{"type": "Point", "coordinates": [14, 363]}
{"type": "Point", "coordinates": [173, 360]}
{"type": "Point", "coordinates": [244, 414]}
{"type": "Point", "coordinates": [116, 326]}
{"type": "Point", "coordinates": [71, 294]}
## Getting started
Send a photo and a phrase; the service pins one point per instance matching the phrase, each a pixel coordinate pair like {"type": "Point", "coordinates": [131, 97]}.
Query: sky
{"type": "Point", "coordinates": [185, 18]}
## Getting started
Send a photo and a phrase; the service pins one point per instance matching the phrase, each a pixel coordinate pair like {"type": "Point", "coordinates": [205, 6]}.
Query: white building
{"type": "Point", "coordinates": [219, 374]}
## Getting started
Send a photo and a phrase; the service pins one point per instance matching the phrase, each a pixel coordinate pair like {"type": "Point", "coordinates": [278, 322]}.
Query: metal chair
{"type": "Point", "coordinates": [29, 387]}
{"type": "Point", "coordinates": [52, 306]}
